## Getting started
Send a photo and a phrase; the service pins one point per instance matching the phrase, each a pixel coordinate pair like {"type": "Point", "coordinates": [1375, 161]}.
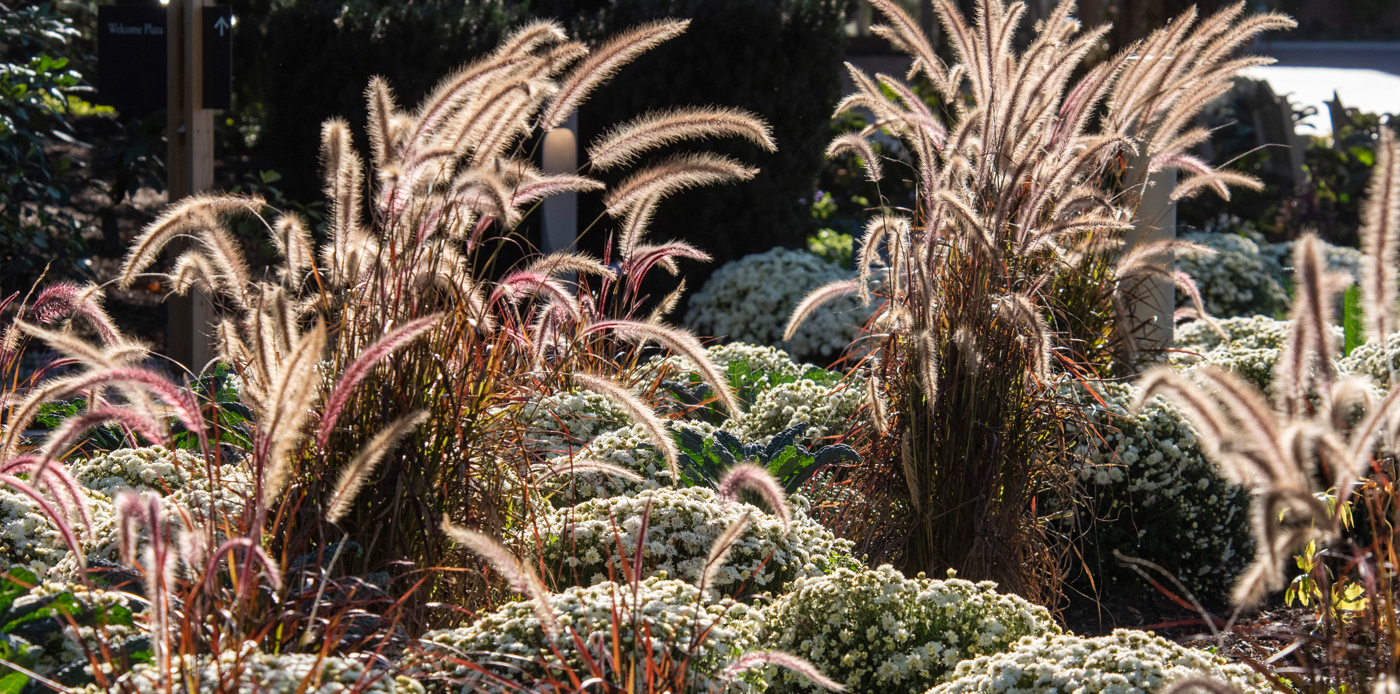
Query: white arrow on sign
{"type": "Point", "coordinates": [221, 25]}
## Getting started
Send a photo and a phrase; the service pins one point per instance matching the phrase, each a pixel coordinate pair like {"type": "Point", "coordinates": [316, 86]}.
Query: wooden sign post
{"type": "Point", "coordinates": [189, 166]}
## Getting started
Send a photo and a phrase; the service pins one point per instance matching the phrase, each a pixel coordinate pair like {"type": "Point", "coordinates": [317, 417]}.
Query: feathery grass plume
{"type": "Point", "coordinates": [193, 270]}
{"type": "Point", "coordinates": [815, 299]}
{"type": "Point", "coordinates": [640, 413]}
{"type": "Point", "coordinates": [190, 216]}
{"type": "Point", "coordinates": [293, 389]}
{"type": "Point", "coordinates": [624, 143]}
{"type": "Point", "coordinates": [680, 342]}
{"type": "Point", "coordinates": [64, 300]}
{"type": "Point", "coordinates": [1380, 239]}
{"type": "Point", "coordinates": [759, 480]}
{"type": "Point", "coordinates": [361, 367]}
{"type": "Point", "coordinates": [911, 478]}
{"type": "Point", "coordinates": [719, 551]}
{"type": "Point", "coordinates": [560, 263]}
{"type": "Point", "coordinates": [23, 414]}
{"type": "Point", "coordinates": [255, 554]}
{"type": "Point", "coordinates": [1309, 347]}
{"type": "Point", "coordinates": [517, 573]}
{"type": "Point", "coordinates": [545, 186]}
{"type": "Point", "coordinates": [853, 143]}
{"type": "Point", "coordinates": [674, 174]}
{"type": "Point", "coordinates": [1023, 312]}
{"type": "Point", "coordinates": [381, 116]}
{"type": "Point", "coordinates": [353, 477]}
{"type": "Point", "coordinates": [878, 416]}
{"type": "Point", "coordinates": [754, 659]}
{"type": "Point", "coordinates": [579, 466]}
{"type": "Point", "coordinates": [343, 179]}
{"type": "Point", "coordinates": [667, 305]}
{"type": "Point", "coordinates": [602, 64]}
{"type": "Point", "coordinates": [293, 242]}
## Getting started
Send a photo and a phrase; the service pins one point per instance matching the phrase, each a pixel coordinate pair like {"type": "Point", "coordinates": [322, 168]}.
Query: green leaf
{"type": "Point", "coordinates": [1354, 332]}
{"type": "Point", "coordinates": [13, 683]}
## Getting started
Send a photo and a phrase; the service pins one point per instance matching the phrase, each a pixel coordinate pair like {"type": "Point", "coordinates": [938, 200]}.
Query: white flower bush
{"type": "Point", "coordinates": [1153, 494]}
{"type": "Point", "coordinates": [751, 299]}
{"type": "Point", "coordinates": [1125, 662]}
{"type": "Point", "coordinates": [268, 673]}
{"type": "Point", "coordinates": [630, 448]}
{"type": "Point", "coordinates": [1240, 279]}
{"type": "Point", "coordinates": [875, 630]}
{"type": "Point", "coordinates": [1251, 349]}
{"type": "Point", "coordinates": [1369, 360]}
{"type": "Point", "coordinates": [29, 538]}
{"type": "Point", "coordinates": [63, 646]}
{"type": "Point", "coordinates": [827, 411]}
{"type": "Point", "coordinates": [558, 423]}
{"type": "Point", "coordinates": [581, 542]}
{"type": "Point", "coordinates": [509, 640]}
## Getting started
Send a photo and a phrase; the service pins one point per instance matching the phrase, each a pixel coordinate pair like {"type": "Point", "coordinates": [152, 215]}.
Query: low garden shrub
{"type": "Point", "coordinates": [1125, 661]}
{"type": "Point", "coordinates": [749, 300]}
{"type": "Point", "coordinates": [581, 544]}
{"type": "Point", "coordinates": [875, 630]}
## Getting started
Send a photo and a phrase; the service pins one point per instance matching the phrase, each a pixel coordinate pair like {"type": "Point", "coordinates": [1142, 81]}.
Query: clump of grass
{"type": "Point", "coordinates": [403, 315]}
{"type": "Point", "coordinates": [1011, 269]}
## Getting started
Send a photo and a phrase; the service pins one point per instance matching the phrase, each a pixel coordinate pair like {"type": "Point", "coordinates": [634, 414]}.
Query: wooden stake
{"type": "Point", "coordinates": [190, 169]}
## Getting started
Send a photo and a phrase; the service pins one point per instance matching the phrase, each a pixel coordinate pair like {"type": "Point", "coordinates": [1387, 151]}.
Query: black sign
{"type": "Point", "coordinates": [131, 57]}
{"type": "Point", "coordinates": [218, 56]}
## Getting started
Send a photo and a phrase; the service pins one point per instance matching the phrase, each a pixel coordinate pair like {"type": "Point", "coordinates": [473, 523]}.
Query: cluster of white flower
{"type": "Point", "coordinates": [1342, 259]}
{"type": "Point", "coordinates": [875, 630]}
{"type": "Point", "coordinates": [1153, 494]}
{"type": "Point", "coordinates": [250, 671]}
{"type": "Point", "coordinates": [1125, 662]}
{"type": "Point", "coordinates": [561, 422]}
{"type": "Point", "coordinates": [681, 528]}
{"type": "Point", "coordinates": [1368, 360]}
{"type": "Point", "coordinates": [751, 299]}
{"type": "Point", "coordinates": [1251, 349]}
{"type": "Point", "coordinates": [65, 647]}
{"type": "Point", "coordinates": [1240, 279]}
{"type": "Point", "coordinates": [781, 397]}
{"type": "Point", "coordinates": [630, 448]}
{"type": "Point", "coordinates": [681, 624]}
{"type": "Point", "coordinates": [28, 537]}
{"type": "Point", "coordinates": [827, 410]}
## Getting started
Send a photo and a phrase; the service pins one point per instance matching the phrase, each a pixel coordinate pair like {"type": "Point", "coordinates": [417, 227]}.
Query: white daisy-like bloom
{"type": "Point", "coordinates": [681, 622]}
{"type": "Point", "coordinates": [681, 528]}
{"type": "Point", "coordinates": [751, 299]}
{"type": "Point", "coordinates": [29, 538]}
{"type": "Point", "coordinates": [1151, 493]}
{"type": "Point", "coordinates": [268, 673]}
{"type": "Point", "coordinates": [1125, 662]}
{"type": "Point", "coordinates": [911, 630]}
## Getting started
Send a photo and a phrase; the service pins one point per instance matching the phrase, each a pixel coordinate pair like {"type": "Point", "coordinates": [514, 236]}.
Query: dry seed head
{"type": "Point", "coordinates": [640, 413]}
{"type": "Point", "coordinates": [672, 175]}
{"type": "Point", "coordinates": [1380, 239]}
{"type": "Point", "coordinates": [517, 573]}
{"type": "Point", "coordinates": [354, 476]}
{"type": "Point", "coordinates": [624, 143]}
{"type": "Point", "coordinates": [757, 479]}
{"type": "Point", "coordinates": [602, 64]}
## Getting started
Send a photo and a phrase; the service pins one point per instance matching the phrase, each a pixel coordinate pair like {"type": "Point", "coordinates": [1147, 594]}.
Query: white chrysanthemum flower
{"type": "Point", "coordinates": [682, 526]}
{"type": "Point", "coordinates": [912, 630]}
{"type": "Point", "coordinates": [29, 538]}
{"type": "Point", "coordinates": [751, 299]}
{"type": "Point", "coordinates": [250, 671]}
{"type": "Point", "coordinates": [1126, 662]}
{"type": "Point", "coordinates": [508, 640]}
{"type": "Point", "coordinates": [1240, 279]}
{"type": "Point", "coordinates": [1153, 494]}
